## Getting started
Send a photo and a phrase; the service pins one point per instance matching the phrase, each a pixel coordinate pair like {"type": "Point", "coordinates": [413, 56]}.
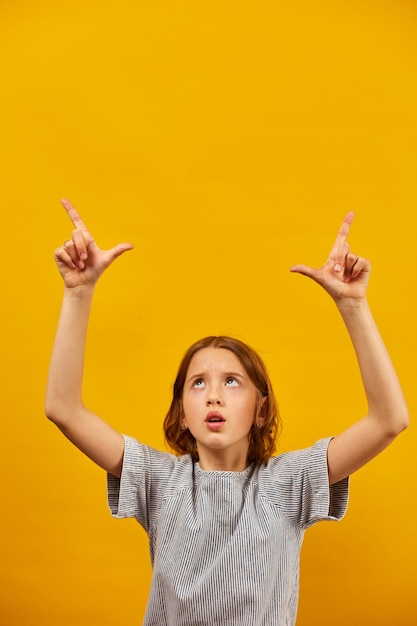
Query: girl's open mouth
{"type": "Point", "coordinates": [215, 420]}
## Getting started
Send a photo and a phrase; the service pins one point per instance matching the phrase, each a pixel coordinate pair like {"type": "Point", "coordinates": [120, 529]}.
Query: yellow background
{"type": "Point", "coordinates": [226, 140]}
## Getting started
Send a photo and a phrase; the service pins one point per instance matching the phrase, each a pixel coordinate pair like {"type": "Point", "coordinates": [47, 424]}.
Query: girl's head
{"type": "Point", "coordinates": [263, 432]}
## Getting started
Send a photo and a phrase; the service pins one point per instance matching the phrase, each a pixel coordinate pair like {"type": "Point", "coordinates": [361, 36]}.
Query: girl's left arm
{"type": "Point", "coordinates": [345, 277]}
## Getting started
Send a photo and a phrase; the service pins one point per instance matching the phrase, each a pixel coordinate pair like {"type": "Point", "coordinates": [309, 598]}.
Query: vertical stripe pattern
{"type": "Point", "coordinates": [225, 546]}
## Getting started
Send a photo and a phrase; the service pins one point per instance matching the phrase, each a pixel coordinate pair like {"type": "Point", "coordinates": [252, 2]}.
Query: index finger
{"type": "Point", "coordinates": [343, 230]}
{"type": "Point", "coordinates": [73, 215]}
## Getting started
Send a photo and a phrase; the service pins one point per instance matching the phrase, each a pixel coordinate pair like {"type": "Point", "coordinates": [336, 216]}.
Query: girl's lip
{"type": "Point", "coordinates": [217, 425]}
{"type": "Point", "coordinates": [213, 414]}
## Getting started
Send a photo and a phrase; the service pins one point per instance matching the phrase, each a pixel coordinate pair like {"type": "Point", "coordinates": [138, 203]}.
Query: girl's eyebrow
{"type": "Point", "coordinates": [234, 374]}
{"type": "Point", "coordinates": [225, 374]}
{"type": "Point", "coordinates": [193, 376]}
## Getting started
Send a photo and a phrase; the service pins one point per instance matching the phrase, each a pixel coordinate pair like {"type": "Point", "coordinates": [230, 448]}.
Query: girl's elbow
{"type": "Point", "coordinates": [401, 423]}
{"type": "Point", "coordinates": [56, 413]}
{"type": "Point", "coordinates": [405, 421]}
{"type": "Point", "coordinates": [52, 413]}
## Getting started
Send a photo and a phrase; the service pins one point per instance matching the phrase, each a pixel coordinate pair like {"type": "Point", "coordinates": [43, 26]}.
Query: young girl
{"type": "Point", "coordinates": [225, 518]}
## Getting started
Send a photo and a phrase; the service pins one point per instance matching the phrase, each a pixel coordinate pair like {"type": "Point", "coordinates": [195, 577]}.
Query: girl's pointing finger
{"type": "Point", "coordinates": [344, 229]}
{"type": "Point", "coordinates": [73, 215]}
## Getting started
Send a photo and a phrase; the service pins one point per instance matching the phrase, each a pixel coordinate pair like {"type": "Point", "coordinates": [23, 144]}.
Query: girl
{"type": "Point", "coordinates": [225, 518]}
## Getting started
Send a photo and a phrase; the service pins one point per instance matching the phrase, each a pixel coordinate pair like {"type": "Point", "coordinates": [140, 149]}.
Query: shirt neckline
{"type": "Point", "coordinates": [226, 473]}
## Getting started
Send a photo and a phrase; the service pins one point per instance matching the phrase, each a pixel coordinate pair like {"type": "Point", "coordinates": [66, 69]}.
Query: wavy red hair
{"type": "Point", "coordinates": [262, 440]}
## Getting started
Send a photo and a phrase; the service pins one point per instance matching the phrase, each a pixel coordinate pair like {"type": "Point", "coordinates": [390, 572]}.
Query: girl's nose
{"type": "Point", "coordinates": [214, 400]}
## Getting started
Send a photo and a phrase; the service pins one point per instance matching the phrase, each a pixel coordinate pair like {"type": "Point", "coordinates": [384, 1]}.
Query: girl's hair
{"type": "Point", "coordinates": [261, 438]}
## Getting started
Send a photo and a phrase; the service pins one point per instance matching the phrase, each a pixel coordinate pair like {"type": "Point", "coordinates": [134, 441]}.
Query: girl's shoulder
{"type": "Point", "coordinates": [155, 465]}
{"type": "Point", "coordinates": [293, 466]}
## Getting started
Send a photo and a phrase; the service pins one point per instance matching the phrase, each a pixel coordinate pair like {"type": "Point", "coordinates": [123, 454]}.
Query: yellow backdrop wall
{"type": "Point", "coordinates": [226, 140]}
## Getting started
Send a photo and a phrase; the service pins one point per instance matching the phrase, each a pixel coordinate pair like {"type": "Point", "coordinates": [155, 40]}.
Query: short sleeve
{"type": "Point", "coordinates": [298, 483]}
{"type": "Point", "coordinates": [323, 501]}
{"type": "Point", "coordinates": [140, 489]}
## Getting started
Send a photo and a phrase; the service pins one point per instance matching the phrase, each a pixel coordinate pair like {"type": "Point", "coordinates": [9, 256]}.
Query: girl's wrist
{"type": "Point", "coordinates": [79, 292]}
{"type": "Point", "coordinates": [352, 307]}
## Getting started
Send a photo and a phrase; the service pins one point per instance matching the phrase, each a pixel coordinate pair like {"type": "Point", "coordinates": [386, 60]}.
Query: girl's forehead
{"type": "Point", "coordinates": [216, 358]}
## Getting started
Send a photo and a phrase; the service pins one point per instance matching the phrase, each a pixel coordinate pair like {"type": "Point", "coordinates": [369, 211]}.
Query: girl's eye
{"type": "Point", "coordinates": [198, 383]}
{"type": "Point", "coordinates": [231, 382]}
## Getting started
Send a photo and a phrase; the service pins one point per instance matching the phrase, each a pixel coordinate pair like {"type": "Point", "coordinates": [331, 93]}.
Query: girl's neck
{"type": "Point", "coordinates": [222, 462]}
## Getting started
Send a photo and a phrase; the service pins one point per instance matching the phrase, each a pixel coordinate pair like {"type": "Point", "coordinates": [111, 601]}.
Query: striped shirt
{"type": "Point", "coordinates": [225, 546]}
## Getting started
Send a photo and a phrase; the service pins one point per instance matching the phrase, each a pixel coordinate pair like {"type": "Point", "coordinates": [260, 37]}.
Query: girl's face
{"type": "Point", "coordinates": [219, 406]}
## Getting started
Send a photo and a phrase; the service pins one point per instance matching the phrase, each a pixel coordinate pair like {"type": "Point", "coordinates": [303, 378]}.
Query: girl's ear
{"type": "Point", "coordinates": [183, 421]}
{"type": "Point", "coordinates": [262, 411]}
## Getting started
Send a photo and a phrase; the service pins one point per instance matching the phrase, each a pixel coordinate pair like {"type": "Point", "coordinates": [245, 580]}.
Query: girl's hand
{"type": "Point", "coordinates": [345, 275]}
{"type": "Point", "coordinates": [80, 261]}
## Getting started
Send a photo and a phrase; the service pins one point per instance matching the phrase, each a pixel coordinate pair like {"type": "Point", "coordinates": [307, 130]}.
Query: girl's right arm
{"type": "Point", "coordinates": [80, 262]}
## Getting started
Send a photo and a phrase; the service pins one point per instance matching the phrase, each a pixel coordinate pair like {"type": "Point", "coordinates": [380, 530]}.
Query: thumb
{"type": "Point", "coordinates": [305, 270]}
{"type": "Point", "coordinates": [112, 254]}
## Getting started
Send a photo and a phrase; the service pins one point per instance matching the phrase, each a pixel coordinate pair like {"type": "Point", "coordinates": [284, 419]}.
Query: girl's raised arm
{"type": "Point", "coordinates": [345, 277]}
{"type": "Point", "coordinates": [81, 263]}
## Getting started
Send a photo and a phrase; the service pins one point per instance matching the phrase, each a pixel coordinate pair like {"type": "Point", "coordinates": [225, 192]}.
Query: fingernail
{"type": "Point", "coordinates": [83, 256]}
{"type": "Point", "coordinates": [337, 267]}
